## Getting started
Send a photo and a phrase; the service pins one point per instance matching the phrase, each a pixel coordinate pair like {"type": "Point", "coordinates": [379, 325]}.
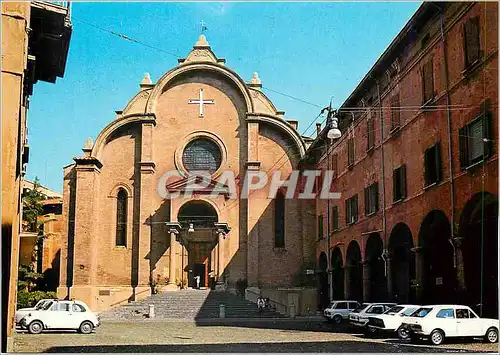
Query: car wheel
{"type": "Point", "coordinates": [337, 319]}
{"type": "Point", "coordinates": [403, 333]}
{"type": "Point", "coordinates": [86, 327]}
{"type": "Point", "coordinates": [35, 327]}
{"type": "Point", "coordinates": [369, 331]}
{"type": "Point", "coordinates": [437, 337]}
{"type": "Point", "coordinates": [491, 335]}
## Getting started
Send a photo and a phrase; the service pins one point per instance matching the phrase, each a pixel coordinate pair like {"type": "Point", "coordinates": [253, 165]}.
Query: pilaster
{"type": "Point", "coordinates": [389, 277]}
{"type": "Point", "coordinates": [222, 229]}
{"type": "Point", "coordinates": [174, 229]}
{"type": "Point", "coordinates": [366, 281]}
{"type": "Point", "coordinates": [86, 221]}
{"type": "Point", "coordinates": [147, 189]}
{"type": "Point", "coordinates": [459, 261]}
{"type": "Point", "coordinates": [419, 273]}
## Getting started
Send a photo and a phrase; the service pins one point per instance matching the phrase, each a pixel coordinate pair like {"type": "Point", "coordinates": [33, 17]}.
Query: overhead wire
{"type": "Point", "coordinates": [345, 109]}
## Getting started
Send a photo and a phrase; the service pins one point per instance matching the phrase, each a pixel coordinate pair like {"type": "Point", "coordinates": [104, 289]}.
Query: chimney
{"type": "Point", "coordinates": [318, 128]}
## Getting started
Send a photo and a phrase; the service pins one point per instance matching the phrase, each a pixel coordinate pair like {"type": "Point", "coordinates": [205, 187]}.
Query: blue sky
{"type": "Point", "coordinates": [312, 51]}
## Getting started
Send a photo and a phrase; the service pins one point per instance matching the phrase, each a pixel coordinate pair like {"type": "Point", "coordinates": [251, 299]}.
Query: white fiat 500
{"type": "Point", "coordinates": [391, 320]}
{"type": "Point", "coordinates": [359, 317]}
{"type": "Point", "coordinates": [339, 310]}
{"type": "Point", "coordinates": [74, 315]}
{"type": "Point", "coordinates": [438, 322]}
{"type": "Point", "coordinates": [23, 312]}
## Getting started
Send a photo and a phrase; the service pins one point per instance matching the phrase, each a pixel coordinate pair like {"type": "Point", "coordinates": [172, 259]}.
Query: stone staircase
{"type": "Point", "coordinates": [188, 305]}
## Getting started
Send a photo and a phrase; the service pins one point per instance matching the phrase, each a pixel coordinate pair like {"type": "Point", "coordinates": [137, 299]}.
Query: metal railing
{"type": "Point", "coordinates": [63, 4]}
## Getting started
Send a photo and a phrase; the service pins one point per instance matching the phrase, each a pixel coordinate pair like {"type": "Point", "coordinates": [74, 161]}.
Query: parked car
{"type": "Point", "coordinates": [339, 310]}
{"type": "Point", "coordinates": [438, 322]}
{"type": "Point", "coordinates": [359, 317]}
{"type": "Point", "coordinates": [74, 315]}
{"type": "Point", "coordinates": [390, 321]}
{"type": "Point", "coordinates": [22, 312]}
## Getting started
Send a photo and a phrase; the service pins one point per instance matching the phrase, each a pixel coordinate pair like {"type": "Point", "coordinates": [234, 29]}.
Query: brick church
{"type": "Point", "coordinates": [122, 236]}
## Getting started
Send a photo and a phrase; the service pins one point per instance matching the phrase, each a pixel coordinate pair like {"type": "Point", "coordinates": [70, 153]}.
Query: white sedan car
{"type": "Point", "coordinates": [391, 320]}
{"type": "Point", "coordinates": [359, 317]}
{"type": "Point", "coordinates": [438, 322]}
{"type": "Point", "coordinates": [74, 315]}
{"type": "Point", "coordinates": [23, 312]}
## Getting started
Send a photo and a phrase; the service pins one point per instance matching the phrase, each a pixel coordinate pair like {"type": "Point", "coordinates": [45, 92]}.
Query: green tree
{"type": "Point", "coordinates": [27, 278]}
{"type": "Point", "coordinates": [33, 207]}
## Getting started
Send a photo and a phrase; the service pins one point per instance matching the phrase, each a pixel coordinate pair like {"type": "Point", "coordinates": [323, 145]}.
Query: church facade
{"type": "Point", "coordinates": [122, 236]}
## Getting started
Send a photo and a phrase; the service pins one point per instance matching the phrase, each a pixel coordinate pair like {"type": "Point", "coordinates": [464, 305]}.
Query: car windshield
{"type": "Point", "coordinates": [421, 312]}
{"type": "Point", "coordinates": [409, 311]}
{"type": "Point", "coordinates": [46, 305]}
{"type": "Point", "coordinates": [40, 304]}
{"type": "Point", "coordinates": [361, 307]}
{"type": "Point", "coordinates": [394, 310]}
{"type": "Point", "coordinates": [331, 305]}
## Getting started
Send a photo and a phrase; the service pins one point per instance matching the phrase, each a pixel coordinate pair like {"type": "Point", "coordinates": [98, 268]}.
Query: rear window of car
{"type": "Point", "coordinates": [421, 312]}
{"type": "Point", "coordinates": [361, 308]}
{"type": "Point", "coordinates": [394, 310]}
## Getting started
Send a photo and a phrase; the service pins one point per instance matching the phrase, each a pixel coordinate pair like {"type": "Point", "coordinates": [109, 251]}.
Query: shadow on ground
{"type": "Point", "coordinates": [286, 325]}
{"type": "Point", "coordinates": [295, 347]}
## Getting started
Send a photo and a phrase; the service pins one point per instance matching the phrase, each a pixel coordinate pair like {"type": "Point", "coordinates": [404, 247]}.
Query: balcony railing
{"type": "Point", "coordinates": [61, 4]}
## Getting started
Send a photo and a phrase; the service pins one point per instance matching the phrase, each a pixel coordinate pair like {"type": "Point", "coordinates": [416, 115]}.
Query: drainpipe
{"type": "Point", "coordinates": [448, 127]}
{"type": "Point", "coordinates": [384, 216]}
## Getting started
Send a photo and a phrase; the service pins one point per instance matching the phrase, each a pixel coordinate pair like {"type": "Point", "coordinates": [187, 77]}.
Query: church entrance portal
{"type": "Point", "coordinates": [198, 220]}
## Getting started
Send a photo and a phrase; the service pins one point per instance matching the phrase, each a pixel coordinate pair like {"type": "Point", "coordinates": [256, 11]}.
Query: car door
{"type": "Point", "coordinates": [59, 316]}
{"type": "Point", "coordinates": [468, 324]}
{"type": "Point", "coordinates": [445, 320]}
{"type": "Point", "coordinates": [78, 315]}
{"type": "Point", "coordinates": [341, 308]}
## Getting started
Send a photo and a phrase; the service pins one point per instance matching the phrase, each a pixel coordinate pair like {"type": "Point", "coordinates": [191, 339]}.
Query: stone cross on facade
{"type": "Point", "coordinates": [201, 102]}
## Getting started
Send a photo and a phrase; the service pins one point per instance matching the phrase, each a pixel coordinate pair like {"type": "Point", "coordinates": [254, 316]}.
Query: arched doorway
{"type": "Point", "coordinates": [479, 227]}
{"type": "Point", "coordinates": [322, 281]}
{"type": "Point", "coordinates": [354, 272]}
{"type": "Point", "coordinates": [199, 213]}
{"type": "Point", "coordinates": [197, 219]}
{"type": "Point", "coordinates": [337, 274]}
{"type": "Point", "coordinates": [438, 272]}
{"type": "Point", "coordinates": [402, 264]}
{"type": "Point", "coordinates": [376, 267]}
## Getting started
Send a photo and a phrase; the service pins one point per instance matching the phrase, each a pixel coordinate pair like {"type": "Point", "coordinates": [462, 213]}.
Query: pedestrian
{"type": "Point", "coordinates": [197, 278]}
{"type": "Point", "coordinates": [260, 303]}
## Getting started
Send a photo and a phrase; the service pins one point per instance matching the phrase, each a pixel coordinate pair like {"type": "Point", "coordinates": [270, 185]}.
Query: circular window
{"type": "Point", "coordinates": [202, 155]}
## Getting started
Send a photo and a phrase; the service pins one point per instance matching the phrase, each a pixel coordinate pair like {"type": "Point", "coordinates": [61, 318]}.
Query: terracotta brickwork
{"type": "Point", "coordinates": [461, 93]}
{"type": "Point", "coordinates": [146, 140]}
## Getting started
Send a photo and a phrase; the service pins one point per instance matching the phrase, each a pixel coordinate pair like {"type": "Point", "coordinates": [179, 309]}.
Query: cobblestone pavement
{"type": "Point", "coordinates": [269, 336]}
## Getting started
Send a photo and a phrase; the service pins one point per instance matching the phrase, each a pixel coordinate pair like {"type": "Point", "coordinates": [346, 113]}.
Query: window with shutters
{"type": "Point", "coordinates": [471, 41]}
{"type": "Point", "coordinates": [279, 220]}
{"type": "Point", "coordinates": [320, 226]}
{"type": "Point", "coordinates": [475, 141]}
{"type": "Point", "coordinates": [432, 165]}
{"type": "Point", "coordinates": [335, 218]}
{"type": "Point", "coordinates": [351, 210]}
{"type": "Point", "coordinates": [427, 82]}
{"type": "Point", "coordinates": [370, 129]}
{"type": "Point", "coordinates": [350, 152]}
{"type": "Point", "coordinates": [121, 218]}
{"type": "Point", "coordinates": [334, 165]}
{"type": "Point", "coordinates": [371, 199]}
{"type": "Point", "coordinates": [399, 183]}
{"type": "Point", "coordinates": [395, 113]}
